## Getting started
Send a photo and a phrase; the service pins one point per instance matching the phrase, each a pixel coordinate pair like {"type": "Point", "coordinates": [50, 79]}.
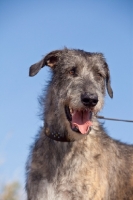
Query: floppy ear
{"type": "Point", "coordinates": [108, 82]}
{"type": "Point", "coordinates": [49, 60]}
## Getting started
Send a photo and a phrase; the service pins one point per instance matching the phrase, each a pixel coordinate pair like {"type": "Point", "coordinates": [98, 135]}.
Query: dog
{"type": "Point", "coordinates": [73, 158]}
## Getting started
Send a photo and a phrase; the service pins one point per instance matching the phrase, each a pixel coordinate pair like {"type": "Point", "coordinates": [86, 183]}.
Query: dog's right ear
{"type": "Point", "coordinates": [50, 60]}
{"type": "Point", "coordinates": [108, 82]}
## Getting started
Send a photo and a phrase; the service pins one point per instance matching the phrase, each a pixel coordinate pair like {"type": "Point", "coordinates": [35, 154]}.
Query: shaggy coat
{"type": "Point", "coordinates": [71, 160]}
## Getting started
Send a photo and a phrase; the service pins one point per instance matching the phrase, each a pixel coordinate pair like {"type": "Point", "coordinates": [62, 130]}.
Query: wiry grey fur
{"type": "Point", "coordinates": [91, 166]}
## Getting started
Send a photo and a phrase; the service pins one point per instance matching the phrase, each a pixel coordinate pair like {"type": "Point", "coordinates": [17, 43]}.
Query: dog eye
{"type": "Point", "coordinates": [99, 76]}
{"type": "Point", "coordinates": [72, 72]}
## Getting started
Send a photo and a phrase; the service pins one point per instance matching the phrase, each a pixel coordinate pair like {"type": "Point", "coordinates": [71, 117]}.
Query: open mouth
{"type": "Point", "coordinates": [80, 121]}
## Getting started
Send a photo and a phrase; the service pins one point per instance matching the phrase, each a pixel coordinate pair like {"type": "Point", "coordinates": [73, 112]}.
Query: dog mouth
{"type": "Point", "coordinates": [80, 120]}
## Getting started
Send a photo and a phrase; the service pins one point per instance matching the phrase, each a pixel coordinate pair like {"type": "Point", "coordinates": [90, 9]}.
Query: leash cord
{"type": "Point", "coordinates": [121, 120]}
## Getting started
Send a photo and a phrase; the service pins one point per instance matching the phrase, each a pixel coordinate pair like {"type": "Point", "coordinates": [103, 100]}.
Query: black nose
{"type": "Point", "coordinates": [89, 99]}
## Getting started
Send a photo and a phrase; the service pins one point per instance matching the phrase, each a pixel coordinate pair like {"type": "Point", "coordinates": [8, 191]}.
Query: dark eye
{"type": "Point", "coordinates": [99, 75]}
{"type": "Point", "coordinates": [72, 72]}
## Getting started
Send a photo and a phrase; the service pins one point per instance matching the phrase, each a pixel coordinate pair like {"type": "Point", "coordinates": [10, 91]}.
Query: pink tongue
{"type": "Point", "coordinates": [81, 119]}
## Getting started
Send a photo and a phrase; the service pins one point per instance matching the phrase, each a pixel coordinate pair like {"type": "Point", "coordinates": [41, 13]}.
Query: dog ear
{"type": "Point", "coordinates": [108, 82]}
{"type": "Point", "coordinates": [49, 60]}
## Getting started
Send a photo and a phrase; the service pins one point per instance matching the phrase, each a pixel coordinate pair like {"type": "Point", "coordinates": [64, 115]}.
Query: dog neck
{"type": "Point", "coordinates": [54, 135]}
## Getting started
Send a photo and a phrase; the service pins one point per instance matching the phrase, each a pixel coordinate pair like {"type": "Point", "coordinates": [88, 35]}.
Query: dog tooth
{"type": "Point", "coordinates": [70, 110]}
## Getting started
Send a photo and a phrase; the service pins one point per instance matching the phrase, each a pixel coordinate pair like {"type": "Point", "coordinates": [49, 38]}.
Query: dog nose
{"type": "Point", "coordinates": [89, 99]}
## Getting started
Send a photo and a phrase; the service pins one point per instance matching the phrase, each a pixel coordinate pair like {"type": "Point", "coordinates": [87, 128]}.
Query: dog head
{"type": "Point", "coordinates": [78, 89]}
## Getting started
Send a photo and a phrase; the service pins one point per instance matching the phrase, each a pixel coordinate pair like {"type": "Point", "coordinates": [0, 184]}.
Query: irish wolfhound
{"type": "Point", "coordinates": [73, 157]}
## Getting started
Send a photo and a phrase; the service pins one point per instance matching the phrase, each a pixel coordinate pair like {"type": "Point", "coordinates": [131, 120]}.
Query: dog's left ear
{"type": "Point", "coordinates": [49, 60]}
{"type": "Point", "coordinates": [108, 82]}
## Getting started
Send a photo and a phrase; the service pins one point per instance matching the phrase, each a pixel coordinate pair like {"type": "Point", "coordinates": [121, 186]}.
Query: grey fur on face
{"type": "Point", "coordinates": [78, 76]}
{"type": "Point", "coordinates": [73, 157]}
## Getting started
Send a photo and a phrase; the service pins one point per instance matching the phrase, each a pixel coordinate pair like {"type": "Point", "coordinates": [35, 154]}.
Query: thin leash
{"type": "Point", "coordinates": [113, 119]}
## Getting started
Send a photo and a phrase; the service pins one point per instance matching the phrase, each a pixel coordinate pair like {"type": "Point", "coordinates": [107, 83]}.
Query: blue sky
{"type": "Point", "coordinates": [29, 30]}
